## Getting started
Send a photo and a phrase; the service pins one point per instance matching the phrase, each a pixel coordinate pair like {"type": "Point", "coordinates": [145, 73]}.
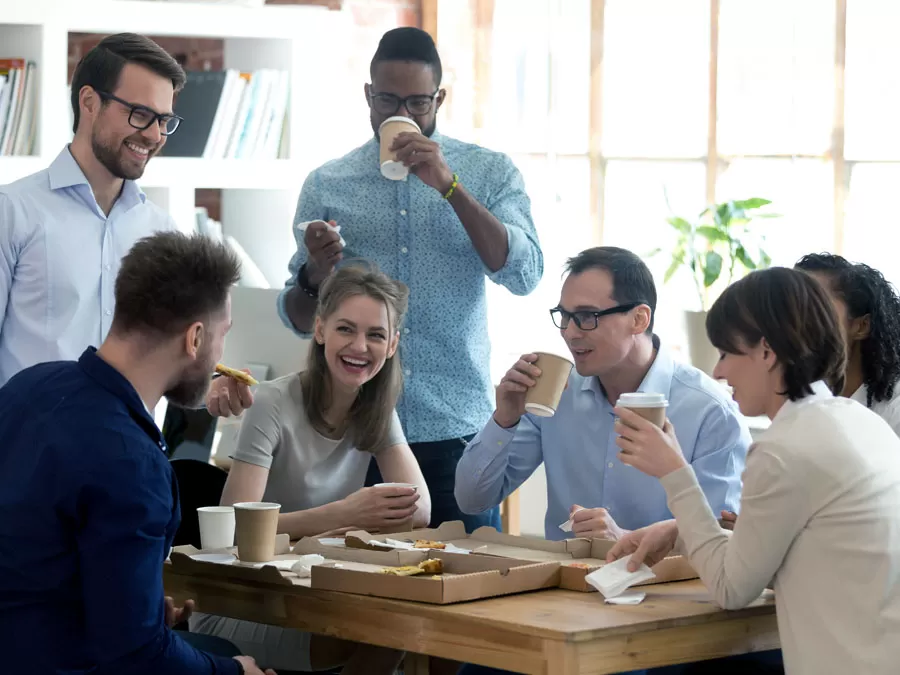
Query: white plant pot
{"type": "Point", "coordinates": [703, 355]}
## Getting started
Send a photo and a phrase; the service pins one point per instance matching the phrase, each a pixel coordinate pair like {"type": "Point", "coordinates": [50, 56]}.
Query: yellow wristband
{"type": "Point", "coordinates": [453, 187]}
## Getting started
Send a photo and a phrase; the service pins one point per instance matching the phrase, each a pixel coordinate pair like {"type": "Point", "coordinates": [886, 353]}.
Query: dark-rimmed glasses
{"type": "Point", "coordinates": [141, 117]}
{"type": "Point", "coordinates": [417, 104]}
{"type": "Point", "coordinates": [588, 319]}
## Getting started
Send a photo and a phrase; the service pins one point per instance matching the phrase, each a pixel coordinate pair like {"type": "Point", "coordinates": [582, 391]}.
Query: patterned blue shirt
{"type": "Point", "coordinates": [415, 236]}
{"type": "Point", "coordinates": [577, 447]}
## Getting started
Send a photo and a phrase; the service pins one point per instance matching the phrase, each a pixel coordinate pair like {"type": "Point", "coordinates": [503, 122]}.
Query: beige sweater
{"type": "Point", "coordinates": [820, 517]}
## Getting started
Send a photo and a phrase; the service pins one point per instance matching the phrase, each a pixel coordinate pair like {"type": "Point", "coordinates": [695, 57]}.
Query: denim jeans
{"type": "Point", "coordinates": [438, 460]}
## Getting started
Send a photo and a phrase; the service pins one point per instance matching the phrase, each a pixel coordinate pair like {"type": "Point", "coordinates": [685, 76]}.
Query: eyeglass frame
{"type": "Point", "coordinates": [403, 101]}
{"type": "Point", "coordinates": [597, 314]}
{"type": "Point", "coordinates": [155, 116]}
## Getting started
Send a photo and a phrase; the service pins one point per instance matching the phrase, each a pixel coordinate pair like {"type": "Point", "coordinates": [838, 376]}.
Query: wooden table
{"type": "Point", "coordinates": [553, 632]}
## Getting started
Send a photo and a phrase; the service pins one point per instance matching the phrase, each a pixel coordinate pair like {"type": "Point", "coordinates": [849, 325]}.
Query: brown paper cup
{"type": "Point", "coordinates": [651, 407]}
{"type": "Point", "coordinates": [543, 398]}
{"type": "Point", "coordinates": [256, 524]}
{"type": "Point", "coordinates": [387, 132]}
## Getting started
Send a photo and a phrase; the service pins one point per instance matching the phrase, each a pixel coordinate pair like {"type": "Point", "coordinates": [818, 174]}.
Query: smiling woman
{"type": "Point", "coordinates": [307, 441]}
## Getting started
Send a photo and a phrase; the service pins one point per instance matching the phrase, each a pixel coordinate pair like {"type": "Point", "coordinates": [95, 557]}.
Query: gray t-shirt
{"type": "Point", "coordinates": [306, 469]}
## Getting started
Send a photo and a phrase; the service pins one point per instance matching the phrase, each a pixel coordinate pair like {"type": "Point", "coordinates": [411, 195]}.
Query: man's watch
{"type": "Point", "coordinates": [303, 283]}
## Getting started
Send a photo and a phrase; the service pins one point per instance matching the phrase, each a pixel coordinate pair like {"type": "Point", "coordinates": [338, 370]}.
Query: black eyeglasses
{"type": "Point", "coordinates": [587, 319]}
{"type": "Point", "coordinates": [388, 104]}
{"type": "Point", "coordinates": [141, 117]}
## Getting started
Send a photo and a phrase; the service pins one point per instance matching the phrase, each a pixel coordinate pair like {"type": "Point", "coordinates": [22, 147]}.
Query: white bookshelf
{"type": "Point", "coordinates": [257, 207]}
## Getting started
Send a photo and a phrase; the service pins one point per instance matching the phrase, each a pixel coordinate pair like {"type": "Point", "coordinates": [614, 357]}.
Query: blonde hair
{"type": "Point", "coordinates": [372, 412]}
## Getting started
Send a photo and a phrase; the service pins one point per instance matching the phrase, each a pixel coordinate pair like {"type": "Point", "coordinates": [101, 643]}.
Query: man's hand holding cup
{"type": "Point", "coordinates": [513, 389]}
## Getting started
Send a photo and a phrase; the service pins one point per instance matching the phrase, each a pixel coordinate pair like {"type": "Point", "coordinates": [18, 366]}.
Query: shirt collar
{"type": "Point", "coordinates": [65, 172]}
{"type": "Point", "coordinates": [113, 381]}
{"type": "Point", "coordinates": [821, 392]}
{"type": "Point", "coordinates": [658, 379]}
{"type": "Point", "coordinates": [861, 395]}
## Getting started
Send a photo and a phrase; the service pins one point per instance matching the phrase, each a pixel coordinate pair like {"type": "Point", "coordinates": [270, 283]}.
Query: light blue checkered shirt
{"type": "Point", "coordinates": [415, 236]}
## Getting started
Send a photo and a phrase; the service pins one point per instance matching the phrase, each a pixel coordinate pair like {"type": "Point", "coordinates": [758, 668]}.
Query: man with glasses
{"type": "Point", "coordinates": [605, 315]}
{"type": "Point", "coordinates": [462, 215]}
{"type": "Point", "coordinates": [64, 230]}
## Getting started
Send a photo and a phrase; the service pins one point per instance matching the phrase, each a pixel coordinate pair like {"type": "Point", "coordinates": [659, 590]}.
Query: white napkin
{"type": "Point", "coordinates": [301, 229]}
{"type": "Point", "coordinates": [303, 566]}
{"type": "Point", "coordinates": [333, 541]}
{"type": "Point", "coordinates": [632, 598]}
{"type": "Point", "coordinates": [612, 579]}
{"type": "Point", "coordinates": [567, 526]}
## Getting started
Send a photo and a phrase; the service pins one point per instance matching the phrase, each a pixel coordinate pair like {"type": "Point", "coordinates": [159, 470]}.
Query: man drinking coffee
{"type": "Point", "coordinates": [459, 216]}
{"type": "Point", "coordinates": [605, 315]}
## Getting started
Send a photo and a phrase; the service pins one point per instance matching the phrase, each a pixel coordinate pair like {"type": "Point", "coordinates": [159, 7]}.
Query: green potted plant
{"type": "Point", "coordinates": [719, 246]}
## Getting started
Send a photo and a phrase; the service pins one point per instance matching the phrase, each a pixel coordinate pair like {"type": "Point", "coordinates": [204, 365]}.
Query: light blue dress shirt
{"type": "Point", "coordinates": [414, 235]}
{"type": "Point", "coordinates": [578, 449]}
{"type": "Point", "coordinates": [59, 257]}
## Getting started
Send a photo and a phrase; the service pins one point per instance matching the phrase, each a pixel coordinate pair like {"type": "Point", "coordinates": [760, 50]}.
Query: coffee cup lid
{"type": "Point", "coordinates": [640, 399]}
{"type": "Point", "coordinates": [400, 118]}
{"type": "Point", "coordinates": [394, 170]}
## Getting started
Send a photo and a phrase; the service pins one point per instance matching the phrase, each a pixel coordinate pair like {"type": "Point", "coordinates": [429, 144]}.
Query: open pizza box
{"type": "Point", "coordinates": [578, 557]}
{"type": "Point", "coordinates": [223, 563]}
{"type": "Point", "coordinates": [463, 578]}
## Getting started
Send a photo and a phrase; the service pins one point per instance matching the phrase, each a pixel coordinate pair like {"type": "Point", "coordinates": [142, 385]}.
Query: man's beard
{"type": "Point", "coordinates": [190, 391]}
{"type": "Point", "coordinates": [110, 159]}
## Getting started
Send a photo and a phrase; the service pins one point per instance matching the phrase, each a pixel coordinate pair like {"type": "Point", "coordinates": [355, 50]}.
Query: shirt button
{"type": "Point", "coordinates": [407, 372]}
{"type": "Point", "coordinates": [610, 465]}
{"type": "Point", "coordinates": [404, 250]}
{"type": "Point", "coordinates": [402, 212]}
{"type": "Point", "coordinates": [406, 331]}
{"type": "Point", "coordinates": [107, 267]}
{"type": "Point", "coordinates": [108, 312]}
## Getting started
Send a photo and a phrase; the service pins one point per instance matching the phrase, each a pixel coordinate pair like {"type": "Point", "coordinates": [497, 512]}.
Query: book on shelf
{"type": "Point", "coordinates": [18, 106]}
{"type": "Point", "coordinates": [232, 115]}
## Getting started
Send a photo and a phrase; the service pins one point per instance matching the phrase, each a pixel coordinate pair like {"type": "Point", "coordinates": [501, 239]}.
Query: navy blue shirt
{"type": "Point", "coordinates": [88, 511]}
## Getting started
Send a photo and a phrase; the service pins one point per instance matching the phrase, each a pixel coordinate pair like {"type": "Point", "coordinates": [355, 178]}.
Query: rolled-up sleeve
{"type": "Point", "coordinates": [510, 204]}
{"type": "Point", "coordinates": [495, 463]}
{"type": "Point", "coordinates": [309, 207]}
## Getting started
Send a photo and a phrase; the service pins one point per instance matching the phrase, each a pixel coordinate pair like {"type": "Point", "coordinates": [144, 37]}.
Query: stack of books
{"type": "Point", "coordinates": [232, 115]}
{"type": "Point", "coordinates": [18, 106]}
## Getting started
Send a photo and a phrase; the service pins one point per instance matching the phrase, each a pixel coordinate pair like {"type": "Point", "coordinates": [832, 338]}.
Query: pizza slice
{"type": "Point", "coordinates": [425, 543]}
{"type": "Point", "coordinates": [238, 375]}
{"type": "Point", "coordinates": [430, 566]}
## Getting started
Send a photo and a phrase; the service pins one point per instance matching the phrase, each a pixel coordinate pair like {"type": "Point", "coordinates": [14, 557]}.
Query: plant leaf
{"type": "Point", "coordinates": [723, 214]}
{"type": "Point", "coordinates": [741, 254]}
{"type": "Point", "coordinates": [752, 203]}
{"type": "Point", "coordinates": [712, 233]}
{"type": "Point", "coordinates": [765, 260]}
{"type": "Point", "coordinates": [679, 224]}
{"type": "Point", "coordinates": [654, 252]}
{"type": "Point", "coordinates": [766, 215]}
{"type": "Point", "coordinates": [677, 261]}
{"type": "Point", "coordinates": [712, 269]}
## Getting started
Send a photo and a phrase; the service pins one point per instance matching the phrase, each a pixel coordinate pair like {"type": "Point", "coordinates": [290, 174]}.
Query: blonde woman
{"type": "Point", "coordinates": [306, 443]}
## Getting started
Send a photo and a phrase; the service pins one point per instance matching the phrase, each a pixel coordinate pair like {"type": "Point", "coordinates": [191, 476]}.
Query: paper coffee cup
{"type": "Point", "coordinates": [543, 398]}
{"type": "Point", "coordinates": [651, 407]}
{"type": "Point", "coordinates": [387, 132]}
{"type": "Point", "coordinates": [398, 485]}
{"type": "Point", "coordinates": [256, 524]}
{"type": "Point", "coordinates": [216, 526]}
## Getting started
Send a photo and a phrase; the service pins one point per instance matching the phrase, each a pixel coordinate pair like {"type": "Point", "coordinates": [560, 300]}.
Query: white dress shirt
{"type": "Point", "coordinates": [888, 410]}
{"type": "Point", "coordinates": [820, 516]}
{"type": "Point", "coordinates": [59, 257]}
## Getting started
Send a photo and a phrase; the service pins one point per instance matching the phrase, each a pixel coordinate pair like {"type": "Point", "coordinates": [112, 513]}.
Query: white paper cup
{"type": "Point", "coordinates": [216, 526]}
{"type": "Point", "coordinates": [398, 485]}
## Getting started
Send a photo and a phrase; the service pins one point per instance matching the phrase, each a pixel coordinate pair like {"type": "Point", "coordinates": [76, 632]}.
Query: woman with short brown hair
{"type": "Point", "coordinates": [820, 510]}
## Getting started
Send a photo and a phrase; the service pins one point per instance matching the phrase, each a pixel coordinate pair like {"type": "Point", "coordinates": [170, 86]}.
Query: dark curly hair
{"type": "Point", "coordinates": [864, 290]}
